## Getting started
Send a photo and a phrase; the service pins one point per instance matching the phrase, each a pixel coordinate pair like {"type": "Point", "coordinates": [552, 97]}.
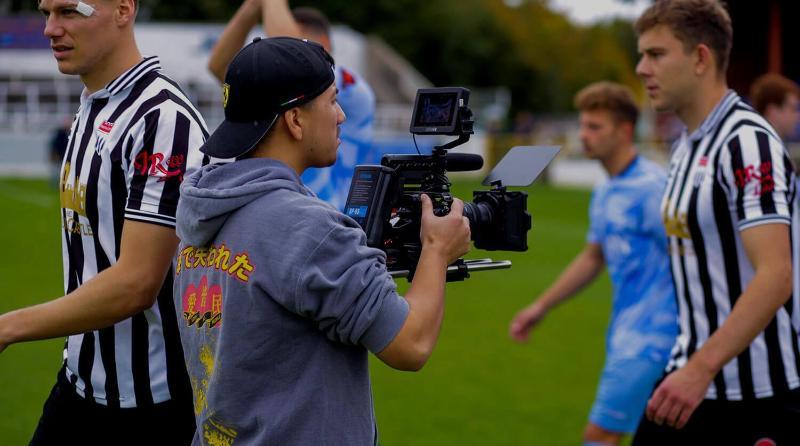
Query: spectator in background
{"type": "Point", "coordinates": [626, 235]}
{"type": "Point", "coordinates": [58, 147]}
{"type": "Point", "coordinates": [778, 100]}
{"type": "Point", "coordinates": [524, 123]}
{"type": "Point", "coordinates": [356, 98]}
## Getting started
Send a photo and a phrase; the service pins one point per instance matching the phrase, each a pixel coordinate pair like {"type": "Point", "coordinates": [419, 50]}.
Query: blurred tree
{"type": "Point", "coordinates": [540, 55]}
{"type": "Point", "coordinates": [189, 10]}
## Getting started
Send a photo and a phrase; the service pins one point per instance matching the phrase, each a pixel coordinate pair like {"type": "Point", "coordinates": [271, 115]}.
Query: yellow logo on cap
{"type": "Point", "coordinates": [226, 90]}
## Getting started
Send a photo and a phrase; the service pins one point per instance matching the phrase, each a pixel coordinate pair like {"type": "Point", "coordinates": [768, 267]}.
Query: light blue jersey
{"type": "Point", "coordinates": [626, 222]}
{"type": "Point", "coordinates": [332, 184]}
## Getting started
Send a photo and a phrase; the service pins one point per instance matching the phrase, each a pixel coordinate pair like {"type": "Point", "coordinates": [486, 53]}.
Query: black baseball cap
{"type": "Point", "coordinates": [266, 78]}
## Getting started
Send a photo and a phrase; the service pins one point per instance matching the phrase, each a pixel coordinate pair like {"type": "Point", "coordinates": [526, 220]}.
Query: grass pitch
{"type": "Point", "coordinates": [479, 388]}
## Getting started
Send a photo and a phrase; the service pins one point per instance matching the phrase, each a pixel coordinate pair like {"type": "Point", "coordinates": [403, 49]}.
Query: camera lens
{"type": "Point", "coordinates": [480, 216]}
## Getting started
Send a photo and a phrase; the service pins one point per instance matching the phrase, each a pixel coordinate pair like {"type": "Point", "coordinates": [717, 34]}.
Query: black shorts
{"type": "Point", "coordinates": [762, 422]}
{"type": "Point", "coordinates": [69, 419]}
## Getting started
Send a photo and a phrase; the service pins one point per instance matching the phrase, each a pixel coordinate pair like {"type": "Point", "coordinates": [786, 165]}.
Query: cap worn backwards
{"type": "Point", "coordinates": [266, 78]}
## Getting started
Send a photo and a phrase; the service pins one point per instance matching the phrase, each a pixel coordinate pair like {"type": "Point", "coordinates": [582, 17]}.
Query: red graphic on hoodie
{"type": "Point", "coordinates": [202, 304]}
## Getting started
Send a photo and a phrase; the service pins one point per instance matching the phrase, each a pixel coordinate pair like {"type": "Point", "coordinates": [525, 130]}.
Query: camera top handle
{"type": "Point", "coordinates": [464, 128]}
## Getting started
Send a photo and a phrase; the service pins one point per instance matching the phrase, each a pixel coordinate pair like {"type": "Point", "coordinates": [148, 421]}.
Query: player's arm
{"type": "Point", "coordinates": [233, 37]}
{"type": "Point", "coordinates": [767, 247]}
{"type": "Point", "coordinates": [278, 20]}
{"type": "Point", "coordinates": [583, 269]}
{"type": "Point", "coordinates": [444, 239]}
{"type": "Point", "coordinates": [117, 293]}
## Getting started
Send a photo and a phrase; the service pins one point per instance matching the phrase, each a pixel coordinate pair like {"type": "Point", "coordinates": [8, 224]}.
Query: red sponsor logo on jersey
{"type": "Point", "coordinates": [703, 161]}
{"type": "Point", "coordinates": [761, 175]}
{"type": "Point", "coordinates": [156, 166]}
{"type": "Point", "coordinates": [347, 78]}
{"type": "Point", "coordinates": [765, 442]}
{"type": "Point", "coordinates": [106, 127]}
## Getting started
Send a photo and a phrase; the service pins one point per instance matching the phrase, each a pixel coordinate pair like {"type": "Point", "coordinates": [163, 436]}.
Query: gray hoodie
{"type": "Point", "coordinates": [279, 300]}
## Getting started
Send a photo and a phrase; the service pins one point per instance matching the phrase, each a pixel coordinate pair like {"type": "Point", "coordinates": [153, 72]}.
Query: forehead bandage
{"type": "Point", "coordinates": [84, 9]}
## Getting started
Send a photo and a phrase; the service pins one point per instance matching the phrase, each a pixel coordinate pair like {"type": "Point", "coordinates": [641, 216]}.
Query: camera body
{"type": "Point", "coordinates": [386, 201]}
{"type": "Point", "coordinates": [499, 219]}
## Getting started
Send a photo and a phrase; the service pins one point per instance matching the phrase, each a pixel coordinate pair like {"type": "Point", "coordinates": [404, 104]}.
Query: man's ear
{"type": "Point", "coordinates": [704, 59]}
{"type": "Point", "coordinates": [293, 120]}
{"type": "Point", "coordinates": [627, 129]}
{"type": "Point", "coordinates": [125, 13]}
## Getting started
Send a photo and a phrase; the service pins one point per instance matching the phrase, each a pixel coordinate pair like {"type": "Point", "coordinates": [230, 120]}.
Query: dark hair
{"type": "Point", "coordinates": [693, 22]}
{"type": "Point", "coordinates": [615, 98]}
{"type": "Point", "coordinates": [771, 88]}
{"type": "Point", "coordinates": [312, 20]}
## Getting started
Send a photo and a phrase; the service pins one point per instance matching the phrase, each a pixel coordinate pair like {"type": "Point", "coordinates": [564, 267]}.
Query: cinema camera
{"type": "Point", "coordinates": [385, 199]}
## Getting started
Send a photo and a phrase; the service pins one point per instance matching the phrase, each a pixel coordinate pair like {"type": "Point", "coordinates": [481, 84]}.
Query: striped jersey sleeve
{"type": "Point", "coordinates": [756, 172]}
{"type": "Point", "coordinates": [157, 155]}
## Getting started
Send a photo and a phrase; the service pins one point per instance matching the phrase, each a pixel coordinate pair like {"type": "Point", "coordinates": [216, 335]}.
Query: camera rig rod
{"type": "Point", "coordinates": [460, 270]}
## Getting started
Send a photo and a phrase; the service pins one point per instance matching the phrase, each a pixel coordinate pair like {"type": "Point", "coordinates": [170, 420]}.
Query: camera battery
{"type": "Point", "coordinates": [365, 202]}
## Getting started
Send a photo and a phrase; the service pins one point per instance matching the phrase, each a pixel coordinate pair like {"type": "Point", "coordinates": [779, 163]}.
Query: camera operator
{"type": "Point", "coordinates": [280, 296]}
{"type": "Point", "coordinates": [626, 234]}
{"type": "Point", "coordinates": [330, 183]}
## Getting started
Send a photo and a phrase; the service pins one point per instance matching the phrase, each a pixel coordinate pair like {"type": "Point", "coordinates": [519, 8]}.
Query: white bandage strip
{"type": "Point", "coordinates": [84, 9]}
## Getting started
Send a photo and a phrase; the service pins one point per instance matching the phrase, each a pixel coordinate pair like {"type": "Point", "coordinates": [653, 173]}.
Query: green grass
{"type": "Point", "coordinates": [30, 272]}
{"type": "Point", "coordinates": [479, 388]}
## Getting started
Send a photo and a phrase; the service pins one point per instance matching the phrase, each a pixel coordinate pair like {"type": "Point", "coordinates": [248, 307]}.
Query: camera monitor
{"type": "Point", "coordinates": [436, 110]}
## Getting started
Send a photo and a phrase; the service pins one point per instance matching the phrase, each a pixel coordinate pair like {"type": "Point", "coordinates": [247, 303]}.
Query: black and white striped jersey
{"type": "Point", "coordinates": [130, 145]}
{"type": "Point", "coordinates": [731, 174]}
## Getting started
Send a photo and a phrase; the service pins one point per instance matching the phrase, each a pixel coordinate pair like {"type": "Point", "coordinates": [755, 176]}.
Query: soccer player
{"type": "Point", "coordinates": [626, 235]}
{"type": "Point", "coordinates": [135, 136]}
{"type": "Point", "coordinates": [330, 183]}
{"type": "Point", "coordinates": [280, 297]}
{"type": "Point", "coordinates": [777, 99]}
{"type": "Point", "coordinates": [731, 218]}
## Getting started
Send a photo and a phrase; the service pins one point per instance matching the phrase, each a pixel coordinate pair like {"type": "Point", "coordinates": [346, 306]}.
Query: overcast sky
{"type": "Point", "coordinates": [588, 11]}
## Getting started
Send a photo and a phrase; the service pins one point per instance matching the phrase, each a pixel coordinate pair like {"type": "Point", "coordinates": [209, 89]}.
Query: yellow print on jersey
{"type": "Point", "coordinates": [73, 225]}
{"type": "Point", "coordinates": [676, 224]}
{"type": "Point", "coordinates": [217, 257]}
{"type": "Point", "coordinates": [73, 197]}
